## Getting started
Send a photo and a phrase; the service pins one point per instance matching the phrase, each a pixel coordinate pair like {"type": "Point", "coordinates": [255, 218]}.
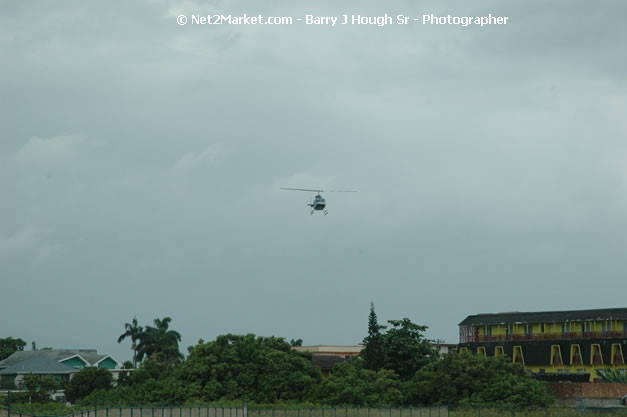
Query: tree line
{"type": "Point", "coordinates": [397, 367]}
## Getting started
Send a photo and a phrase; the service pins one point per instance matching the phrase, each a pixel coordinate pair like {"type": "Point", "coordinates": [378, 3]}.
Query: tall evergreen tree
{"type": "Point", "coordinates": [374, 350]}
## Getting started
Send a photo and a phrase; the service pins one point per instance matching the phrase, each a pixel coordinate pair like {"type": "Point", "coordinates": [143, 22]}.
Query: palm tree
{"type": "Point", "coordinates": [160, 342]}
{"type": "Point", "coordinates": [133, 331]}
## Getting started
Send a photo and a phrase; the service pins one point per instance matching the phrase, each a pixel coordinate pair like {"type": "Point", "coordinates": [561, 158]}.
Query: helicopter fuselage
{"type": "Point", "coordinates": [318, 203]}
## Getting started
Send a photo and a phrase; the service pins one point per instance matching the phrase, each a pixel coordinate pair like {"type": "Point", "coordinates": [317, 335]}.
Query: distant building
{"type": "Point", "coordinates": [326, 356]}
{"type": "Point", "coordinates": [60, 363]}
{"type": "Point", "coordinates": [444, 348]}
{"type": "Point", "coordinates": [343, 351]}
{"type": "Point", "coordinates": [558, 343]}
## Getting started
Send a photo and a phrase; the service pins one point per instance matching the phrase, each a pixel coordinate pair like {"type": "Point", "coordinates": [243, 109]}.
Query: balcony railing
{"type": "Point", "coordinates": [553, 336]}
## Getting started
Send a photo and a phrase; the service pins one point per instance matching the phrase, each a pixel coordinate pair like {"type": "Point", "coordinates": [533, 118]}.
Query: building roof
{"type": "Point", "coordinates": [38, 365]}
{"type": "Point", "coordinates": [545, 317]}
{"type": "Point", "coordinates": [90, 356]}
{"type": "Point", "coordinates": [326, 361]}
{"type": "Point", "coordinates": [330, 349]}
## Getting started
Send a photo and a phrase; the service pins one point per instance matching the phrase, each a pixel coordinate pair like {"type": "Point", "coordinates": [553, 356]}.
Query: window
{"type": "Point", "coordinates": [542, 328]}
{"type": "Point", "coordinates": [575, 355]}
{"type": "Point", "coordinates": [596, 357]}
{"type": "Point", "coordinates": [528, 329]}
{"type": "Point", "coordinates": [617, 354]}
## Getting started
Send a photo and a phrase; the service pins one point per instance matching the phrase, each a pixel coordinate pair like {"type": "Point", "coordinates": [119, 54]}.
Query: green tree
{"type": "Point", "coordinates": [297, 342]}
{"type": "Point", "coordinates": [406, 349]}
{"type": "Point", "coordinates": [468, 379]}
{"type": "Point", "coordinates": [40, 387]}
{"type": "Point", "coordinates": [9, 345]}
{"type": "Point", "coordinates": [373, 352]}
{"type": "Point", "coordinates": [86, 381]}
{"type": "Point", "coordinates": [612, 375]}
{"type": "Point", "coordinates": [352, 384]}
{"type": "Point", "coordinates": [161, 342]}
{"type": "Point", "coordinates": [261, 369]}
{"type": "Point", "coordinates": [133, 331]}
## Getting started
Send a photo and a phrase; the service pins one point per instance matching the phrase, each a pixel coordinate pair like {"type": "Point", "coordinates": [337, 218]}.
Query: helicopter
{"type": "Point", "coordinates": [318, 203]}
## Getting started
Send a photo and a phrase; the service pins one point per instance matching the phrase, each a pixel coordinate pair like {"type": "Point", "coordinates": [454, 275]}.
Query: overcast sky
{"type": "Point", "coordinates": [141, 161]}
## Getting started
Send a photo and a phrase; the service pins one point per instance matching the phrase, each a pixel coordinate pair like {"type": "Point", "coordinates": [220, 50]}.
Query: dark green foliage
{"type": "Point", "coordinates": [298, 342]}
{"type": "Point", "coordinates": [20, 405]}
{"type": "Point", "coordinates": [374, 350]}
{"type": "Point", "coordinates": [406, 350]}
{"type": "Point", "coordinates": [40, 387]}
{"type": "Point", "coordinates": [612, 375]}
{"type": "Point", "coordinates": [151, 383]}
{"type": "Point", "coordinates": [9, 345]}
{"type": "Point", "coordinates": [86, 381]}
{"type": "Point", "coordinates": [159, 342]}
{"type": "Point", "coordinates": [473, 379]}
{"type": "Point", "coordinates": [261, 369]}
{"type": "Point", "coordinates": [352, 384]}
{"type": "Point", "coordinates": [133, 331]}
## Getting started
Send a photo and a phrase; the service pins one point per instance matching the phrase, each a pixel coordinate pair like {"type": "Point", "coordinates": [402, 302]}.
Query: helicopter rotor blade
{"type": "Point", "coordinates": [302, 189]}
{"type": "Point", "coordinates": [319, 191]}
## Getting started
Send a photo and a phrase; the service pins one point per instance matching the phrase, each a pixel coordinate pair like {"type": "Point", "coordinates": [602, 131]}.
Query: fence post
{"type": "Point", "coordinates": [9, 403]}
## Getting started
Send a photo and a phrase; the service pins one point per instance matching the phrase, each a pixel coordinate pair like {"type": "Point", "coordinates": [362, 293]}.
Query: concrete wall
{"type": "Point", "coordinates": [565, 390]}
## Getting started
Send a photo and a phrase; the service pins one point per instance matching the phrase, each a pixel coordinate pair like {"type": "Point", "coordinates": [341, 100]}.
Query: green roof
{"type": "Point", "coordinates": [545, 317]}
{"type": "Point", "coordinates": [38, 365]}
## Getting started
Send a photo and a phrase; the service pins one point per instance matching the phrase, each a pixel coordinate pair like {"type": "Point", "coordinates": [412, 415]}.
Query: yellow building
{"type": "Point", "coordinates": [552, 342]}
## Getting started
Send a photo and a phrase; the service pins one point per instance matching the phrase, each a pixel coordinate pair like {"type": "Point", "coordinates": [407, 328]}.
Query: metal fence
{"type": "Point", "coordinates": [444, 411]}
{"type": "Point", "coordinates": [349, 412]}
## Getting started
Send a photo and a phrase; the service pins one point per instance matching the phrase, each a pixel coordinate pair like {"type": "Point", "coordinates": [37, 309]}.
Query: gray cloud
{"type": "Point", "coordinates": [141, 161]}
